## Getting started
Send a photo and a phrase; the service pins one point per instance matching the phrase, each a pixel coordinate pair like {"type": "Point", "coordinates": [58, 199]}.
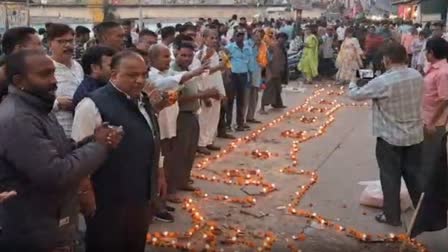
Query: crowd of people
{"type": "Point", "coordinates": [110, 126]}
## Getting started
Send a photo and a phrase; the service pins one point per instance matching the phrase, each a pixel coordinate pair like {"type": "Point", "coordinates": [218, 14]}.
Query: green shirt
{"type": "Point", "coordinates": [191, 88]}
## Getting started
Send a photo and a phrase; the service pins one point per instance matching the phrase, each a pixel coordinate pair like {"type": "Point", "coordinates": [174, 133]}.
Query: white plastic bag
{"type": "Point", "coordinates": [373, 195]}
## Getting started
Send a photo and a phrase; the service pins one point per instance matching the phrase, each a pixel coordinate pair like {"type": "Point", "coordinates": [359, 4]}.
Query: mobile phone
{"type": "Point", "coordinates": [365, 74]}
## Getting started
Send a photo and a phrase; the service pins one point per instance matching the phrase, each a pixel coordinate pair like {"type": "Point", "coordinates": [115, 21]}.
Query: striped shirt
{"type": "Point", "coordinates": [396, 110]}
{"type": "Point", "coordinates": [68, 81]}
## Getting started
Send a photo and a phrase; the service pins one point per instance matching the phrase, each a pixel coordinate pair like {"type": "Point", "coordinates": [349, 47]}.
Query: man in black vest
{"type": "Point", "coordinates": [130, 177]}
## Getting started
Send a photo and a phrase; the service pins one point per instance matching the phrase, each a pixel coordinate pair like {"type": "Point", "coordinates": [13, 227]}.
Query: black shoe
{"type": "Point", "coordinates": [203, 151]}
{"type": "Point", "coordinates": [245, 126]}
{"type": "Point", "coordinates": [229, 128]}
{"type": "Point", "coordinates": [164, 217]}
{"type": "Point", "coordinates": [253, 121]}
{"type": "Point", "coordinates": [226, 136]}
{"type": "Point", "coordinates": [213, 147]}
{"type": "Point", "coordinates": [240, 128]}
{"type": "Point", "coordinates": [170, 208]}
{"type": "Point", "coordinates": [381, 218]}
{"type": "Point", "coordinates": [279, 106]}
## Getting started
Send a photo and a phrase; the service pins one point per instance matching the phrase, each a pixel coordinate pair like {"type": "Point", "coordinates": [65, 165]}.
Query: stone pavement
{"type": "Point", "coordinates": [342, 156]}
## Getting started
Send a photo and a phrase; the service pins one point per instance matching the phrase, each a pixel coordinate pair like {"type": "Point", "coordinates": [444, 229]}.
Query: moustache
{"type": "Point", "coordinates": [69, 50]}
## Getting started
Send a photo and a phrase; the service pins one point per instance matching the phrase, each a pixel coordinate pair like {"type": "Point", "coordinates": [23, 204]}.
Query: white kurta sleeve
{"type": "Point", "coordinates": [87, 118]}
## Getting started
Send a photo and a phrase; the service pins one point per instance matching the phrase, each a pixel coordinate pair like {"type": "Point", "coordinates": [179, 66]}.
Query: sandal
{"type": "Point", "coordinates": [381, 218]}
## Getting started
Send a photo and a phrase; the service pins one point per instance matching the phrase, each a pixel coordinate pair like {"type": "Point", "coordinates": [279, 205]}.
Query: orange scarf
{"type": "Point", "coordinates": [262, 57]}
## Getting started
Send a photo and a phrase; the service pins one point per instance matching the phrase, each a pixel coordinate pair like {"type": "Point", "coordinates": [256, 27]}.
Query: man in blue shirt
{"type": "Point", "coordinates": [240, 54]}
{"type": "Point", "coordinates": [96, 65]}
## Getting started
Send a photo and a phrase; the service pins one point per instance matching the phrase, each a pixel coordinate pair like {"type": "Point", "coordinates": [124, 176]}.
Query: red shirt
{"type": "Point", "coordinates": [372, 43]}
{"type": "Point", "coordinates": [435, 92]}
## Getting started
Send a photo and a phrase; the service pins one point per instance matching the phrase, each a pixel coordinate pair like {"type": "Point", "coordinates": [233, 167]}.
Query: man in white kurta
{"type": "Point", "coordinates": [210, 110]}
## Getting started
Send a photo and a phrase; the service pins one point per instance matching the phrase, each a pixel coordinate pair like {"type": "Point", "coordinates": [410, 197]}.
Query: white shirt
{"type": "Point", "coordinates": [167, 80]}
{"type": "Point", "coordinates": [213, 80]}
{"type": "Point", "coordinates": [88, 118]}
{"type": "Point", "coordinates": [340, 31]}
{"type": "Point", "coordinates": [68, 81]}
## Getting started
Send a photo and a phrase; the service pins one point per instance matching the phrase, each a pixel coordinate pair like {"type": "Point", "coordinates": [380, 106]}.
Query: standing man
{"type": "Point", "coordinates": [110, 34]}
{"type": "Point", "coordinates": [14, 40]}
{"type": "Point", "coordinates": [434, 174]}
{"type": "Point", "coordinates": [130, 177]}
{"type": "Point", "coordinates": [210, 108]}
{"type": "Point", "coordinates": [166, 80]}
{"type": "Point", "coordinates": [187, 133]}
{"type": "Point", "coordinates": [82, 36]}
{"type": "Point", "coordinates": [240, 54]}
{"type": "Point", "coordinates": [168, 34]}
{"type": "Point", "coordinates": [258, 62]}
{"type": "Point", "coordinates": [372, 44]}
{"type": "Point", "coordinates": [96, 66]}
{"type": "Point", "coordinates": [69, 73]}
{"type": "Point", "coordinates": [276, 74]}
{"type": "Point", "coordinates": [128, 35]}
{"type": "Point", "coordinates": [340, 32]}
{"type": "Point", "coordinates": [436, 32]}
{"type": "Point", "coordinates": [43, 214]}
{"type": "Point", "coordinates": [146, 39]}
{"type": "Point", "coordinates": [326, 63]}
{"type": "Point", "coordinates": [398, 126]}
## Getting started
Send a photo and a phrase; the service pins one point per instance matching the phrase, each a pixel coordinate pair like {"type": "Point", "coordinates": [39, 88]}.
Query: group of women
{"type": "Point", "coordinates": [348, 61]}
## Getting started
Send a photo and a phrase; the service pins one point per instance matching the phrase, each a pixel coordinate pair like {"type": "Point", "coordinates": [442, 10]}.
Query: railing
{"type": "Point", "coordinates": [164, 2]}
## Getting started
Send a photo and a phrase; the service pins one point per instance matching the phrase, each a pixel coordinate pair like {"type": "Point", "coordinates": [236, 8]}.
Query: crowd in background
{"type": "Point", "coordinates": [116, 120]}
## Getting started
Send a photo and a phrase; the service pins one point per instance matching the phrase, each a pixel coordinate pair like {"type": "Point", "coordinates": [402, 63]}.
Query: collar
{"type": "Point", "coordinates": [57, 64]}
{"type": "Point", "coordinates": [124, 93]}
{"type": "Point", "coordinates": [396, 68]}
{"type": "Point", "coordinates": [35, 101]}
{"type": "Point", "coordinates": [98, 82]}
{"type": "Point", "coordinates": [178, 68]}
{"type": "Point", "coordinates": [439, 64]}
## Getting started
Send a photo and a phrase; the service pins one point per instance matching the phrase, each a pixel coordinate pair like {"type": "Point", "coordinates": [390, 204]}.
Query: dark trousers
{"type": "Point", "coordinates": [222, 120]}
{"type": "Point", "coordinates": [187, 137]}
{"type": "Point", "coordinates": [396, 162]}
{"type": "Point", "coordinates": [118, 228]}
{"type": "Point", "coordinates": [272, 95]}
{"type": "Point", "coordinates": [237, 89]}
{"type": "Point", "coordinates": [434, 181]}
{"type": "Point", "coordinates": [169, 164]}
{"type": "Point", "coordinates": [327, 67]}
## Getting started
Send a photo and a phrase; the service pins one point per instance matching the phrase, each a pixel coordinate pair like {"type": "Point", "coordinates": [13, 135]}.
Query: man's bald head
{"type": "Point", "coordinates": [160, 57]}
{"type": "Point", "coordinates": [118, 58]}
{"type": "Point", "coordinates": [129, 72]}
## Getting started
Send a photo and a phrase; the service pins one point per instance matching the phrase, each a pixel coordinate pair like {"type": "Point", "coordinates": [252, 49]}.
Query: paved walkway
{"type": "Point", "coordinates": [315, 210]}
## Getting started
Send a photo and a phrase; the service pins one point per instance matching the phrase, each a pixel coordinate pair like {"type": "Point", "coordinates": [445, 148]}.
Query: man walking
{"type": "Point", "coordinates": [39, 162]}
{"type": "Point", "coordinates": [398, 126]}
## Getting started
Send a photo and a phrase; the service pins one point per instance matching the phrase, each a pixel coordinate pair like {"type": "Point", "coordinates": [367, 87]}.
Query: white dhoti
{"type": "Point", "coordinates": [208, 123]}
{"type": "Point", "coordinates": [209, 116]}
